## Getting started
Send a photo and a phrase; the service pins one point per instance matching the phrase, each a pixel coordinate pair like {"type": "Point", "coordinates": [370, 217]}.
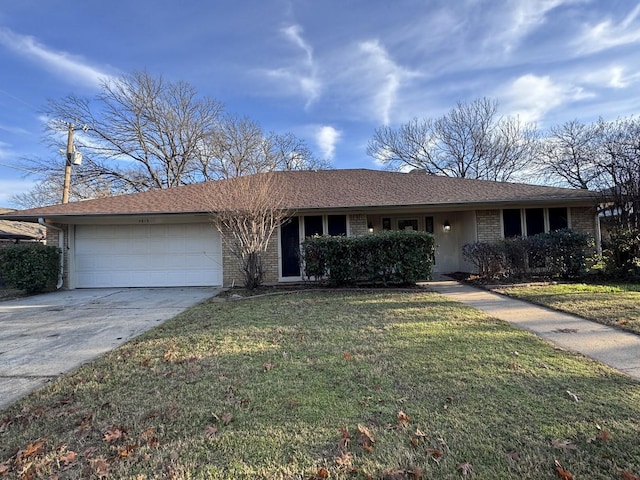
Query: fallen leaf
{"type": "Point", "coordinates": [566, 444]}
{"type": "Point", "coordinates": [416, 473]}
{"type": "Point", "coordinates": [603, 435]}
{"type": "Point", "coordinates": [366, 439]}
{"type": "Point", "coordinates": [345, 438]}
{"type": "Point", "coordinates": [35, 448]}
{"type": "Point", "coordinates": [393, 474]}
{"type": "Point", "coordinates": [322, 473]}
{"type": "Point", "coordinates": [101, 467]}
{"type": "Point", "coordinates": [148, 436]}
{"type": "Point", "coordinates": [415, 441]}
{"type": "Point", "coordinates": [4, 468]}
{"type": "Point", "coordinates": [114, 434]}
{"type": "Point", "coordinates": [211, 431]}
{"type": "Point", "coordinates": [403, 418]}
{"type": "Point", "coordinates": [466, 469]}
{"type": "Point", "coordinates": [68, 458]}
{"type": "Point", "coordinates": [124, 452]}
{"type": "Point", "coordinates": [266, 366]}
{"type": "Point", "coordinates": [629, 476]}
{"type": "Point", "coordinates": [562, 473]}
{"type": "Point", "coordinates": [572, 395]}
{"type": "Point", "coordinates": [344, 460]}
{"type": "Point", "coordinates": [420, 433]}
{"type": "Point", "coordinates": [513, 455]}
{"type": "Point", "coordinates": [434, 454]}
{"type": "Point", "coordinates": [347, 356]}
{"type": "Point", "coordinates": [226, 418]}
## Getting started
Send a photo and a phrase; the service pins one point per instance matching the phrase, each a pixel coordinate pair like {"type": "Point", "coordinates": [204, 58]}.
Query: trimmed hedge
{"type": "Point", "coordinates": [31, 267]}
{"type": "Point", "coordinates": [562, 253]}
{"type": "Point", "coordinates": [393, 257]}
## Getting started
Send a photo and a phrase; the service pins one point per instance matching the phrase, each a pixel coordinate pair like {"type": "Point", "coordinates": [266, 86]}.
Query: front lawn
{"type": "Point", "coordinates": [617, 304]}
{"type": "Point", "coordinates": [316, 385]}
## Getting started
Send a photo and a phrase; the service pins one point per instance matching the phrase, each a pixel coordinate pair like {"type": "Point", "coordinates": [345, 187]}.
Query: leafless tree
{"type": "Point", "coordinates": [141, 132]}
{"type": "Point", "coordinates": [471, 141]}
{"type": "Point", "coordinates": [247, 210]}
{"type": "Point", "coordinates": [570, 153]}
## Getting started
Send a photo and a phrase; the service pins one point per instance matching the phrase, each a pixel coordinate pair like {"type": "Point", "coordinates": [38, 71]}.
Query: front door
{"type": "Point", "coordinates": [290, 247]}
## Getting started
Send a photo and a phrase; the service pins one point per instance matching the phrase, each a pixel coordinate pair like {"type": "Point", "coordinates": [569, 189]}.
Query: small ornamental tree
{"type": "Point", "coordinates": [31, 267]}
{"type": "Point", "coordinates": [247, 211]}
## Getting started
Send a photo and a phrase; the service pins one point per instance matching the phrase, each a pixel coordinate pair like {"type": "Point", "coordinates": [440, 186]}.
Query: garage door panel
{"type": "Point", "coordinates": [147, 255]}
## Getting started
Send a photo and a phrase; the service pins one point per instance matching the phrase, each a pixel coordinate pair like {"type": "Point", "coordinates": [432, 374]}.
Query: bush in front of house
{"type": "Point", "coordinates": [393, 257]}
{"type": "Point", "coordinates": [561, 253]}
{"type": "Point", "coordinates": [30, 267]}
{"type": "Point", "coordinates": [621, 253]}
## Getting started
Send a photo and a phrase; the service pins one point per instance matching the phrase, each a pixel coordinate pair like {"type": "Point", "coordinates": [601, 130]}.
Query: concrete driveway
{"type": "Point", "coordinates": [44, 336]}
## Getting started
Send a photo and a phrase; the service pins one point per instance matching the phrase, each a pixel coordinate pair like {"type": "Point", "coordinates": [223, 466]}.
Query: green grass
{"type": "Point", "coordinates": [271, 388]}
{"type": "Point", "coordinates": [616, 305]}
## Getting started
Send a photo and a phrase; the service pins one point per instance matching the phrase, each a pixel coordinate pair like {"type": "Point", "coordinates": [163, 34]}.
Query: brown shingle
{"type": "Point", "coordinates": [326, 189]}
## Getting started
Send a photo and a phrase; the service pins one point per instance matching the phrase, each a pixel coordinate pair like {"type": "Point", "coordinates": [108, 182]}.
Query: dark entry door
{"type": "Point", "coordinates": [290, 248]}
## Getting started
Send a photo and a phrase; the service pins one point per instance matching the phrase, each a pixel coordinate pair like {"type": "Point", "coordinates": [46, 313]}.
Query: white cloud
{"type": "Point", "coordinates": [531, 96]}
{"type": "Point", "coordinates": [525, 17]}
{"type": "Point", "coordinates": [385, 77]}
{"type": "Point", "coordinates": [608, 34]}
{"type": "Point", "coordinates": [301, 77]}
{"type": "Point", "coordinates": [326, 139]}
{"type": "Point", "coordinates": [63, 64]}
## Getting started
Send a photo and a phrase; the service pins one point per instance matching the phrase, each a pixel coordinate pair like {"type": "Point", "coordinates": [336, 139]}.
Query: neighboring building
{"type": "Point", "coordinates": [165, 237]}
{"type": "Point", "coordinates": [12, 232]}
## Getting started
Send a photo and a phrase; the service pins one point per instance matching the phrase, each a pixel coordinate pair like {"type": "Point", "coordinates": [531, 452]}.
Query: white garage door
{"type": "Point", "coordinates": [147, 255]}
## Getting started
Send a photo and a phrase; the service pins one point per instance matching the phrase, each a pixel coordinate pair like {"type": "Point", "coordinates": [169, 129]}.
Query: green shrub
{"type": "Point", "coordinates": [387, 257]}
{"type": "Point", "coordinates": [562, 253]}
{"type": "Point", "coordinates": [30, 267]}
{"type": "Point", "coordinates": [621, 253]}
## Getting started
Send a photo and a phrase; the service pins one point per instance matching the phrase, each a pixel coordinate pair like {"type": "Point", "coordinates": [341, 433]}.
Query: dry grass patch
{"type": "Point", "coordinates": [329, 385]}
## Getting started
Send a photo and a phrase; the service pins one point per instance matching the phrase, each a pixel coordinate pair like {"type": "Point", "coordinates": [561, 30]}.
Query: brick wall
{"type": "Point", "coordinates": [358, 225]}
{"type": "Point", "coordinates": [583, 220]}
{"type": "Point", "coordinates": [231, 265]}
{"type": "Point", "coordinates": [488, 225]}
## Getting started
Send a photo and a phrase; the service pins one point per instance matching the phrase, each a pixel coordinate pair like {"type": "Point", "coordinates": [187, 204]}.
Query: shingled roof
{"type": "Point", "coordinates": [11, 230]}
{"type": "Point", "coordinates": [327, 189]}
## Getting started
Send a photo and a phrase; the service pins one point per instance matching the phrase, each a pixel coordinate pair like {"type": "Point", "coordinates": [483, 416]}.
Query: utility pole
{"type": "Point", "coordinates": [67, 168]}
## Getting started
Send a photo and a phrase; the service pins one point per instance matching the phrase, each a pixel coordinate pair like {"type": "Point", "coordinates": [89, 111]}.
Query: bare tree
{"type": "Point", "coordinates": [247, 210]}
{"type": "Point", "coordinates": [471, 141]}
{"type": "Point", "coordinates": [570, 154]}
{"type": "Point", "coordinates": [141, 132]}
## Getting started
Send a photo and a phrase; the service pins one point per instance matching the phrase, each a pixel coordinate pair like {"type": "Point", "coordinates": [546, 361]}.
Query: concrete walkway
{"type": "Point", "coordinates": [618, 349]}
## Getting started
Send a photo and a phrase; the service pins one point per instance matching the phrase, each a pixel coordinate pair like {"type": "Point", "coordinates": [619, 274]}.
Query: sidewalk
{"type": "Point", "coordinates": [618, 349]}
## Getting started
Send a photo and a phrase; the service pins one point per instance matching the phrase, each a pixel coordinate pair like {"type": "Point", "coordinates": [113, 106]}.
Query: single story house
{"type": "Point", "coordinates": [12, 232]}
{"type": "Point", "coordinates": [166, 238]}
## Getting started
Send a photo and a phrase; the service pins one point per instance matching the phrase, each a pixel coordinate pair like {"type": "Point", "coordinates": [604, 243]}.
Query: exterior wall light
{"type": "Point", "coordinates": [446, 226]}
{"type": "Point", "coordinates": [370, 227]}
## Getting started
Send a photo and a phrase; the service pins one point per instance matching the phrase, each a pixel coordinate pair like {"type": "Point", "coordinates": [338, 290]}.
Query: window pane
{"type": "Point", "coordinates": [337, 225]}
{"type": "Point", "coordinates": [411, 224]}
{"type": "Point", "coordinates": [511, 221]}
{"type": "Point", "coordinates": [386, 224]}
{"type": "Point", "coordinates": [535, 221]}
{"type": "Point", "coordinates": [558, 219]}
{"type": "Point", "coordinates": [313, 225]}
{"type": "Point", "coordinates": [428, 224]}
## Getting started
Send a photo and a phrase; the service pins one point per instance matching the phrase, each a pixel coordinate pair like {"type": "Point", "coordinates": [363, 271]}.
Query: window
{"type": "Point", "coordinates": [408, 224]}
{"type": "Point", "coordinates": [386, 224]}
{"type": "Point", "coordinates": [534, 220]}
{"type": "Point", "coordinates": [337, 225]}
{"type": "Point", "coordinates": [558, 219]}
{"type": "Point", "coordinates": [313, 225]}
{"type": "Point", "coordinates": [428, 224]}
{"type": "Point", "coordinates": [511, 223]}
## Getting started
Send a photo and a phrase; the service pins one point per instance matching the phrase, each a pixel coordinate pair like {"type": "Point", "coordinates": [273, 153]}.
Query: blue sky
{"type": "Point", "coordinates": [329, 71]}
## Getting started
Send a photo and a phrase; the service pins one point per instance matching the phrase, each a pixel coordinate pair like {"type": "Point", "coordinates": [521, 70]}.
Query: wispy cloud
{"type": "Point", "coordinates": [67, 66]}
{"type": "Point", "coordinates": [9, 188]}
{"type": "Point", "coordinates": [302, 76]}
{"type": "Point", "coordinates": [385, 76]}
{"type": "Point", "coordinates": [326, 139]}
{"type": "Point", "coordinates": [613, 76]}
{"type": "Point", "coordinates": [608, 34]}
{"type": "Point", "coordinates": [531, 97]}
